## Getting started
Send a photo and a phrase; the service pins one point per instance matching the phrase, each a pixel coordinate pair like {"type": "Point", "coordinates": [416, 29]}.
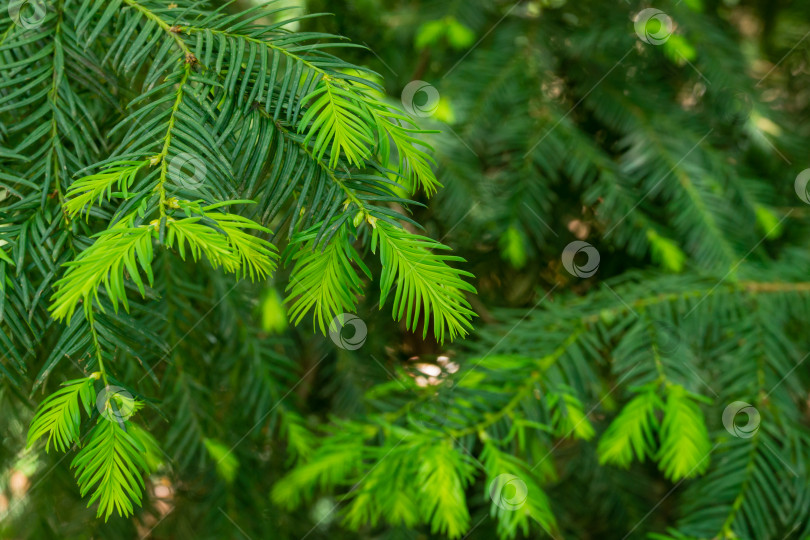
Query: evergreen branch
{"type": "Point", "coordinates": [525, 390]}
{"type": "Point", "coordinates": [59, 416]}
{"type": "Point", "coordinates": [201, 239]}
{"type": "Point", "coordinates": [223, 240]}
{"type": "Point", "coordinates": [53, 97]}
{"type": "Point", "coordinates": [83, 192]}
{"type": "Point", "coordinates": [323, 280]}
{"type": "Point", "coordinates": [110, 464]}
{"type": "Point", "coordinates": [336, 120]}
{"type": "Point", "coordinates": [164, 26]}
{"type": "Point", "coordinates": [116, 250]}
{"type": "Point", "coordinates": [444, 473]}
{"type": "Point", "coordinates": [502, 466]}
{"type": "Point", "coordinates": [423, 280]}
{"type": "Point", "coordinates": [343, 116]}
{"type": "Point", "coordinates": [415, 163]}
{"type": "Point", "coordinates": [257, 257]}
{"type": "Point", "coordinates": [632, 432]}
{"type": "Point", "coordinates": [161, 158]}
{"type": "Point", "coordinates": [685, 445]}
{"type": "Point", "coordinates": [351, 195]}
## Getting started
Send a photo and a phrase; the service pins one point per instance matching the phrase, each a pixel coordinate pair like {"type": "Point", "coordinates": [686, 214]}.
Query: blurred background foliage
{"type": "Point", "coordinates": [675, 161]}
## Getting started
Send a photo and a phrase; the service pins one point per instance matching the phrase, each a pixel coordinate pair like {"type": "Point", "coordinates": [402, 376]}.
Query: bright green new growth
{"type": "Point", "coordinates": [679, 443]}
{"type": "Point", "coordinates": [685, 445]}
{"type": "Point", "coordinates": [59, 417]}
{"type": "Point", "coordinates": [424, 283]}
{"type": "Point", "coordinates": [112, 455]}
{"type": "Point", "coordinates": [632, 433]}
{"type": "Point", "coordinates": [99, 186]}
{"type": "Point", "coordinates": [324, 280]}
{"type": "Point", "coordinates": [111, 464]}
{"type": "Point", "coordinates": [117, 250]}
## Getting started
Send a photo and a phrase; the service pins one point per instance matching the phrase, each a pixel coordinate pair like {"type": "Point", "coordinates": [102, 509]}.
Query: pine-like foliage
{"type": "Point", "coordinates": [139, 134]}
{"type": "Point", "coordinates": [188, 189]}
